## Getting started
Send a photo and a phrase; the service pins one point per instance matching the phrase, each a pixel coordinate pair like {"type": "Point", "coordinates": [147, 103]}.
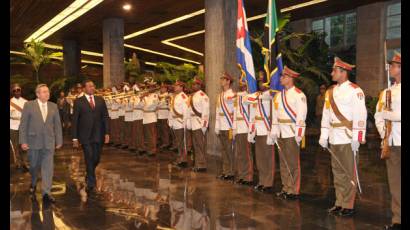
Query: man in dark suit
{"type": "Point", "coordinates": [90, 128]}
{"type": "Point", "coordinates": [40, 134]}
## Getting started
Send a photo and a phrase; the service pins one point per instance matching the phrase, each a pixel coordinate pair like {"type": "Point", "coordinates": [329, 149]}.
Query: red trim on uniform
{"type": "Point", "coordinates": [300, 132]}
{"type": "Point", "coordinates": [251, 98]}
{"type": "Point", "coordinates": [298, 90]}
{"type": "Point", "coordinates": [183, 96]}
{"type": "Point", "coordinates": [273, 163]}
{"type": "Point", "coordinates": [298, 179]}
{"type": "Point", "coordinates": [354, 85]}
{"type": "Point", "coordinates": [250, 169]}
{"type": "Point", "coordinates": [202, 94]}
{"type": "Point", "coordinates": [360, 136]}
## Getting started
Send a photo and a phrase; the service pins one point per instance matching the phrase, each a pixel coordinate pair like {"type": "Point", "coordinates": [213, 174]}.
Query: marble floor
{"type": "Point", "coordinates": [150, 193]}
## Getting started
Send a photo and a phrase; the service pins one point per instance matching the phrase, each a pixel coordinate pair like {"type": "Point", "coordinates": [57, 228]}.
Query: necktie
{"type": "Point", "coordinates": [44, 112]}
{"type": "Point", "coordinates": [92, 102]}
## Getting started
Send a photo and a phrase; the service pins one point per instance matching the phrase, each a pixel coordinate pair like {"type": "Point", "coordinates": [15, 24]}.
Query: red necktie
{"type": "Point", "coordinates": [92, 102]}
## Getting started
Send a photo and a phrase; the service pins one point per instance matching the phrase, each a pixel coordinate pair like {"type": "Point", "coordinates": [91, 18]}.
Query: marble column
{"type": "Point", "coordinates": [113, 51]}
{"type": "Point", "coordinates": [220, 55]}
{"type": "Point", "coordinates": [71, 58]}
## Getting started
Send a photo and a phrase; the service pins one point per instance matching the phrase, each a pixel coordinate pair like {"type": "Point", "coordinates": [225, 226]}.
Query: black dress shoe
{"type": "Point", "coordinates": [258, 187]}
{"type": "Point", "coordinates": [229, 177]}
{"type": "Point", "coordinates": [346, 212]}
{"type": "Point", "coordinates": [281, 194]}
{"type": "Point", "coordinates": [267, 190]}
{"type": "Point", "coordinates": [247, 183]}
{"type": "Point", "coordinates": [150, 155]}
{"type": "Point", "coordinates": [393, 227]}
{"type": "Point", "coordinates": [334, 209]}
{"type": "Point", "coordinates": [32, 189]}
{"type": "Point", "coordinates": [289, 196]}
{"type": "Point", "coordinates": [221, 176]}
{"type": "Point", "coordinates": [182, 164]}
{"type": "Point", "coordinates": [199, 169]}
{"type": "Point", "coordinates": [25, 169]}
{"type": "Point", "coordinates": [48, 199]}
{"type": "Point", "coordinates": [240, 181]}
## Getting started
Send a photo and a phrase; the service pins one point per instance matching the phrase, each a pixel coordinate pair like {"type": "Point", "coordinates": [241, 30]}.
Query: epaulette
{"type": "Point", "coordinates": [298, 90]}
{"type": "Point", "coordinates": [354, 85]}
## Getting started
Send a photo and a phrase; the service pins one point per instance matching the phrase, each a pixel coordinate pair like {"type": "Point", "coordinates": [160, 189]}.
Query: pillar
{"type": "Point", "coordinates": [370, 73]}
{"type": "Point", "coordinates": [113, 51]}
{"type": "Point", "coordinates": [71, 58]}
{"type": "Point", "coordinates": [220, 56]}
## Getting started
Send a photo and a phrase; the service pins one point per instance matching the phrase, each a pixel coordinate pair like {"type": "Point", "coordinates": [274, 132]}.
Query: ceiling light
{"type": "Point", "coordinates": [150, 63]}
{"type": "Point", "coordinates": [60, 58]}
{"type": "Point", "coordinates": [297, 6]}
{"type": "Point", "coordinates": [159, 53]}
{"type": "Point", "coordinates": [69, 14]}
{"type": "Point", "coordinates": [126, 7]}
{"type": "Point", "coordinates": [167, 23]}
{"type": "Point", "coordinates": [168, 42]}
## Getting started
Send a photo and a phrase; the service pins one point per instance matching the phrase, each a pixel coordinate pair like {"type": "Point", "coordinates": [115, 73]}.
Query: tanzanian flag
{"type": "Point", "coordinates": [273, 58]}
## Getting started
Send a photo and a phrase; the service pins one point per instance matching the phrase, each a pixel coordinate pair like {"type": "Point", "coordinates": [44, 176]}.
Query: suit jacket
{"type": "Point", "coordinates": [90, 125]}
{"type": "Point", "coordinates": [37, 133]}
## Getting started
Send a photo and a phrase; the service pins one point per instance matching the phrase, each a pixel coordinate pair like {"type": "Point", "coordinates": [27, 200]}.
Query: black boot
{"type": "Point", "coordinates": [393, 227]}
{"type": "Point", "coordinates": [335, 209]}
{"type": "Point", "coordinates": [346, 212]}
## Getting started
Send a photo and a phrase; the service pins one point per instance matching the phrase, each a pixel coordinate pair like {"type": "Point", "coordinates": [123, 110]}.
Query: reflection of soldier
{"type": "Point", "coordinates": [234, 221]}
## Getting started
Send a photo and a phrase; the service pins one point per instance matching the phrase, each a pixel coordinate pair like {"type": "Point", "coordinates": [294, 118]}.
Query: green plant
{"type": "Point", "coordinates": [36, 55]}
{"type": "Point", "coordinates": [133, 69]}
{"type": "Point", "coordinates": [171, 73]}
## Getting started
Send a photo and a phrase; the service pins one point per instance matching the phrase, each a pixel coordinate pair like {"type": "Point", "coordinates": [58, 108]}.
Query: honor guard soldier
{"type": "Point", "coordinates": [288, 130]}
{"type": "Point", "coordinates": [261, 123]}
{"type": "Point", "coordinates": [388, 123]}
{"type": "Point", "coordinates": [163, 114]}
{"type": "Point", "coordinates": [108, 102]}
{"type": "Point", "coordinates": [224, 125]}
{"type": "Point", "coordinates": [128, 121]}
{"type": "Point", "coordinates": [149, 119]}
{"type": "Point", "coordinates": [199, 116]}
{"type": "Point", "coordinates": [344, 127]}
{"type": "Point", "coordinates": [115, 107]}
{"type": "Point", "coordinates": [177, 120]}
{"type": "Point", "coordinates": [121, 114]}
{"type": "Point", "coordinates": [241, 119]}
{"type": "Point", "coordinates": [16, 108]}
{"type": "Point", "coordinates": [137, 127]}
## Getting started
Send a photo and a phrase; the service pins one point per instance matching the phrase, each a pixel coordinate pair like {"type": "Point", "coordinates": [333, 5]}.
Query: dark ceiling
{"type": "Point", "coordinates": [29, 15]}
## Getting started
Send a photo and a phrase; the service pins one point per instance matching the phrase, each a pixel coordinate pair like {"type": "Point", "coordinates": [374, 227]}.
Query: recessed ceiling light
{"type": "Point", "coordinates": [126, 6]}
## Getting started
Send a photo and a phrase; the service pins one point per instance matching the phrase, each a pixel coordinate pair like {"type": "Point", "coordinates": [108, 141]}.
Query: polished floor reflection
{"type": "Point", "coordinates": [149, 193]}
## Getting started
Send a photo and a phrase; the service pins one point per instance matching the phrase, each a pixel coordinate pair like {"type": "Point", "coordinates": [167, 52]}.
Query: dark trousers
{"type": "Point", "coordinates": [150, 135]}
{"type": "Point", "coordinates": [179, 139]}
{"type": "Point", "coordinates": [19, 156]}
{"type": "Point", "coordinates": [199, 144]}
{"type": "Point", "coordinates": [92, 153]}
{"type": "Point", "coordinates": [394, 176]}
{"type": "Point", "coordinates": [164, 132]}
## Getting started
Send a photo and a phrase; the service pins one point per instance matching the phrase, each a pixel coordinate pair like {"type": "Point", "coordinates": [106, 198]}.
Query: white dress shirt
{"type": "Point", "coordinates": [43, 109]}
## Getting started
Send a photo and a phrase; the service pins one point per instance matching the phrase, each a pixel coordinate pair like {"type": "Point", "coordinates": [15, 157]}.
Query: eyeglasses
{"type": "Point", "coordinates": [16, 90]}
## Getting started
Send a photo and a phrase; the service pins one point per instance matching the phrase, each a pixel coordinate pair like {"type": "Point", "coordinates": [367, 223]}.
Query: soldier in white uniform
{"type": "Point", "coordinates": [261, 123]}
{"type": "Point", "coordinates": [224, 125]}
{"type": "Point", "coordinates": [149, 119]}
{"type": "Point", "coordinates": [128, 121]}
{"type": "Point", "coordinates": [393, 162]}
{"type": "Point", "coordinates": [137, 133]}
{"type": "Point", "coordinates": [199, 116]}
{"type": "Point", "coordinates": [178, 117]}
{"type": "Point", "coordinates": [115, 105]}
{"type": "Point", "coordinates": [121, 126]}
{"type": "Point", "coordinates": [16, 107]}
{"type": "Point", "coordinates": [288, 129]}
{"type": "Point", "coordinates": [241, 119]}
{"type": "Point", "coordinates": [344, 127]}
{"type": "Point", "coordinates": [163, 114]}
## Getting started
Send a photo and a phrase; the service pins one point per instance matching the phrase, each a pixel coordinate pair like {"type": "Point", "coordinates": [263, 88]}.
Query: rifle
{"type": "Point", "coordinates": [387, 127]}
{"type": "Point", "coordinates": [387, 124]}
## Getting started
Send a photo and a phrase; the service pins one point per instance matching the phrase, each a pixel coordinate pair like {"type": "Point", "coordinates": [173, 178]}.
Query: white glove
{"type": "Point", "coordinates": [269, 140]}
{"type": "Point", "coordinates": [298, 139]}
{"type": "Point", "coordinates": [355, 146]}
{"type": "Point", "coordinates": [204, 130]}
{"type": "Point", "coordinates": [323, 143]}
{"type": "Point", "coordinates": [390, 115]}
{"type": "Point", "coordinates": [251, 137]}
{"type": "Point", "coordinates": [217, 131]}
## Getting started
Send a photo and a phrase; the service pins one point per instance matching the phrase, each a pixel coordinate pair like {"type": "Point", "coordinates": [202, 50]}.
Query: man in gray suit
{"type": "Point", "coordinates": [40, 134]}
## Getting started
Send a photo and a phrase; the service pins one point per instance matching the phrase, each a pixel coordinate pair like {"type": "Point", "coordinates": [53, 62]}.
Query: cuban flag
{"type": "Point", "coordinates": [244, 50]}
